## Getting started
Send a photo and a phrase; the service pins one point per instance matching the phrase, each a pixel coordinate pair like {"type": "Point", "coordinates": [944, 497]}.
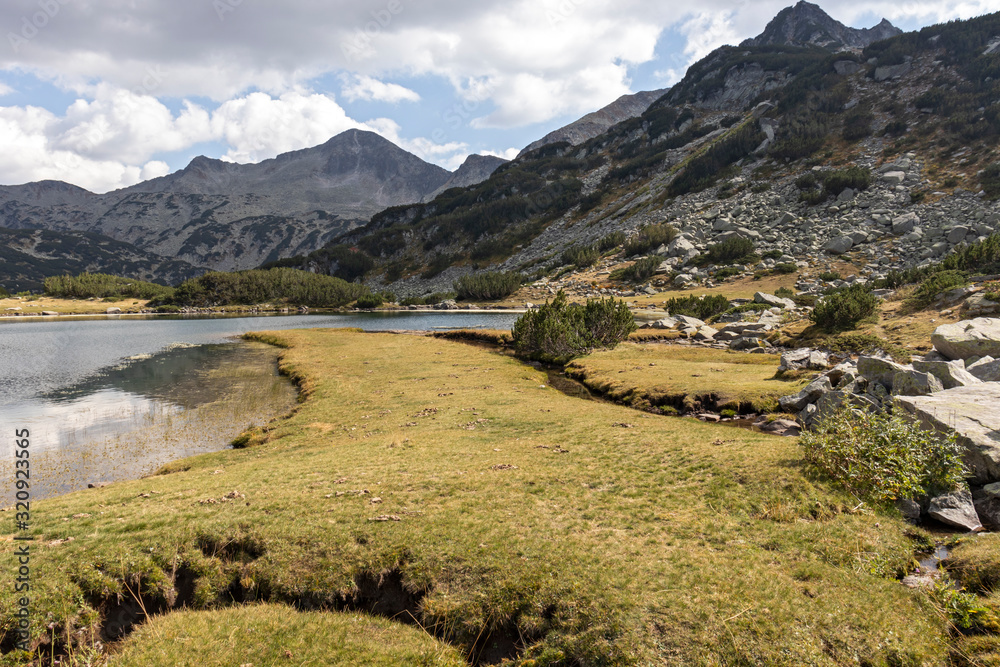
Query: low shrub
{"type": "Point", "coordinates": [701, 307]}
{"type": "Point", "coordinates": [830, 276]}
{"type": "Point", "coordinates": [560, 331]}
{"type": "Point", "coordinates": [937, 283]}
{"type": "Point", "coordinates": [981, 257]}
{"type": "Point", "coordinates": [734, 250]}
{"type": "Point", "coordinates": [428, 299]}
{"type": "Point", "coordinates": [989, 179]}
{"type": "Point", "coordinates": [642, 269]}
{"type": "Point", "coordinates": [727, 272]}
{"type": "Point", "coordinates": [581, 256]}
{"type": "Point", "coordinates": [784, 293]}
{"type": "Point", "coordinates": [489, 286]}
{"type": "Point", "coordinates": [882, 458]}
{"type": "Point", "coordinates": [864, 344]}
{"type": "Point", "coordinates": [285, 285]}
{"type": "Point", "coordinates": [104, 286]}
{"type": "Point", "coordinates": [785, 268]}
{"type": "Point", "coordinates": [845, 308]}
{"type": "Point", "coordinates": [612, 240]}
{"type": "Point", "coordinates": [649, 238]}
{"type": "Point", "coordinates": [369, 301]}
{"type": "Point", "coordinates": [772, 254]}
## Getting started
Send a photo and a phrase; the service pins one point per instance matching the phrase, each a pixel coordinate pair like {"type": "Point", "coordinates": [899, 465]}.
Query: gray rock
{"type": "Point", "coordinates": [955, 509]}
{"type": "Point", "coordinates": [803, 358]}
{"type": "Point", "coordinates": [809, 394]}
{"type": "Point", "coordinates": [705, 333]}
{"type": "Point", "coordinates": [886, 72]}
{"type": "Point", "coordinates": [744, 343]}
{"type": "Point", "coordinates": [951, 373]}
{"type": "Point", "coordinates": [910, 509]}
{"type": "Point", "coordinates": [915, 383]}
{"type": "Point", "coordinates": [978, 305]}
{"type": "Point", "coordinates": [958, 234]}
{"type": "Point", "coordinates": [978, 337]}
{"type": "Point", "coordinates": [877, 369]}
{"type": "Point", "coordinates": [846, 67]}
{"type": "Point", "coordinates": [894, 177]}
{"type": "Point", "coordinates": [781, 427]}
{"type": "Point", "coordinates": [987, 502]}
{"type": "Point", "coordinates": [681, 247]}
{"type": "Point", "coordinates": [688, 321]}
{"type": "Point", "coordinates": [839, 245]}
{"type": "Point", "coordinates": [986, 369]}
{"type": "Point", "coordinates": [971, 413]}
{"type": "Point", "coordinates": [771, 300]}
{"type": "Point", "coordinates": [904, 223]}
{"type": "Point", "coordinates": [113, 310]}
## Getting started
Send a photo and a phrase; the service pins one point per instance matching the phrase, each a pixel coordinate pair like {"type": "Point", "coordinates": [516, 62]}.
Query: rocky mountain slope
{"type": "Point", "coordinates": [806, 24]}
{"type": "Point", "coordinates": [228, 216]}
{"type": "Point", "coordinates": [884, 156]}
{"type": "Point", "coordinates": [28, 256]}
{"type": "Point", "coordinates": [597, 122]}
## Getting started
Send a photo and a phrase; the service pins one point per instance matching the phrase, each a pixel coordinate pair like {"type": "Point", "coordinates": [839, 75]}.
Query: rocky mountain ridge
{"type": "Point", "coordinates": [227, 216]}
{"type": "Point", "coordinates": [807, 24]}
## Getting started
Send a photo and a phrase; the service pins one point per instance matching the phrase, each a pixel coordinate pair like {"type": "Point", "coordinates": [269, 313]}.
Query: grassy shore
{"type": "Point", "coordinates": [443, 485]}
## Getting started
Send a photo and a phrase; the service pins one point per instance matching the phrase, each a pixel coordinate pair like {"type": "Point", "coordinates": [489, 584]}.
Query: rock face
{"type": "Point", "coordinates": [968, 338]}
{"type": "Point", "coordinates": [972, 412]}
{"type": "Point", "coordinates": [951, 373]}
{"type": "Point", "coordinates": [806, 24]}
{"type": "Point", "coordinates": [955, 509]}
{"type": "Point", "coordinates": [915, 383]}
{"type": "Point", "coordinates": [880, 370]}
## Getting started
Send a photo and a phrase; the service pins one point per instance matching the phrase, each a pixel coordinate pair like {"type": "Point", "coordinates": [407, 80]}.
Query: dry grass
{"type": "Point", "coordinates": [510, 514]}
{"type": "Point", "coordinates": [36, 305]}
{"type": "Point", "coordinates": [645, 375]}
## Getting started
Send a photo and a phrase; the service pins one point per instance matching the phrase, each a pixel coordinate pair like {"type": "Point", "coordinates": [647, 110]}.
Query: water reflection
{"type": "Point", "coordinates": [128, 420]}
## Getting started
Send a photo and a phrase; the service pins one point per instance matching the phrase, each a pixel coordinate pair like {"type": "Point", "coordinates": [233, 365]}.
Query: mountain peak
{"type": "Point", "coordinates": [806, 24]}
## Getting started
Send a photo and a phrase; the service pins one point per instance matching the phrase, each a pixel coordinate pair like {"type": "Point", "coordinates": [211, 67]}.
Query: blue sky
{"type": "Point", "coordinates": [105, 93]}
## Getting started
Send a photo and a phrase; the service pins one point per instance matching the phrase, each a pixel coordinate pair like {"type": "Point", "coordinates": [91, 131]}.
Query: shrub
{"type": "Point", "coordinates": [643, 269]}
{"type": "Point", "coordinates": [882, 458]}
{"type": "Point", "coordinates": [829, 276]}
{"type": "Point", "coordinates": [806, 181]}
{"type": "Point", "coordinates": [981, 257]}
{"type": "Point", "coordinates": [581, 256]}
{"type": "Point", "coordinates": [701, 307]}
{"type": "Point", "coordinates": [734, 250]}
{"type": "Point", "coordinates": [966, 611]}
{"type": "Point", "coordinates": [785, 268]}
{"type": "Point", "coordinates": [940, 282]}
{"type": "Point", "coordinates": [773, 254]}
{"type": "Point", "coordinates": [727, 272]}
{"type": "Point", "coordinates": [489, 286]}
{"type": "Point", "coordinates": [856, 178]}
{"type": "Point", "coordinates": [845, 308]}
{"type": "Point", "coordinates": [784, 293]}
{"type": "Point", "coordinates": [369, 301]}
{"type": "Point", "coordinates": [612, 240]}
{"type": "Point", "coordinates": [104, 286]}
{"type": "Point", "coordinates": [260, 286]}
{"type": "Point", "coordinates": [427, 299]}
{"type": "Point", "coordinates": [989, 179]}
{"type": "Point", "coordinates": [649, 238]}
{"type": "Point", "coordinates": [559, 330]}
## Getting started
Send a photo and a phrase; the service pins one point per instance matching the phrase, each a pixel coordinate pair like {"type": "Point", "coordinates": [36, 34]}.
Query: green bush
{"type": "Point", "coordinates": [369, 301]}
{"type": "Point", "coordinates": [806, 181]}
{"type": "Point", "coordinates": [883, 458]}
{"type": "Point", "coordinates": [845, 308]}
{"type": "Point", "coordinates": [701, 307]}
{"type": "Point", "coordinates": [785, 268]}
{"type": "Point", "coordinates": [581, 256]}
{"type": "Point", "coordinates": [428, 299]}
{"type": "Point", "coordinates": [940, 282]}
{"type": "Point", "coordinates": [559, 330]}
{"type": "Point", "coordinates": [784, 293]}
{"type": "Point", "coordinates": [642, 269]}
{"type": "Point", "coordinates": [981, 257]}
{"type": "Point", "coordinates": [104, 286]}
{"type": "Point", "coordinates": [829, 276]}
{"type": "Point", "coordinates": [649, 238]}
{"type": "Point", "coordinates": [734, 250]}
{"type": "Point", "coordinates": [612, 240]}
{"type": "Point", "coordinates": [489, 286]}
{"type": "Point", "coordinates": [856, 178]}
{"type": "Point", "coordinates": [990, 180]}
{"type": "Point", "coordinates": [772, 254]}
{"type": "Point", "coordinates": [727, 272]}
{"type": "Point", "coordinates": [285, 285]}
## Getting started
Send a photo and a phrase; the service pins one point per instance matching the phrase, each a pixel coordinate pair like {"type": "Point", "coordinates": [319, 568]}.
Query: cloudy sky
{"type": "Point", "coordinates": [105, 93]}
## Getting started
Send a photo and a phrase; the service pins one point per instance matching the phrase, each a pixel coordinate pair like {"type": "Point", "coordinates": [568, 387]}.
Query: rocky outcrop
{"type": "Point", "coordinates": [955, 509]}
{"type": "Point", "coordinates": [806, 24]}
{"type": "Point", "coordinates": [972, 414]}
{"type": "Point", "coordinates": [968, 338]}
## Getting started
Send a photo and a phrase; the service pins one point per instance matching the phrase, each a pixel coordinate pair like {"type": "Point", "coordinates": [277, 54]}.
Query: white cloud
{"type": "Point", "coordinates": [368, 88]}
{"type": "Point", "coordinates": [508, 154]}
{"type": "Point", "coordinates": [5, 89]}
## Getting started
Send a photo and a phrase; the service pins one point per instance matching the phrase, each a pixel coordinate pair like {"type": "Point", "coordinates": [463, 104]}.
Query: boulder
{"type": "Point", "coordinates": [877, 369]}
{"type": "Point", "coordinates": [886, 72]}
{"type": "Point", "coordinates": [955, 509]}
{"type": "Point", "coordinates": [987, 502]}
{"type": "Point", "coordinates": [951, 373]}
{"type": "Point", "coordinates": [968, 338]}
{"type": "Point", "coordinates": [811, 392]}
{"type": "Point", "coordinates": [839, 245]}
{"type": "Point", "coordinates": [681, 247]}
{"type": "Point", "coordinates": [687, 321]}
{"type": "Point", "coordinates": [958, 234]}
{"type": "Point", "coordinates": [971, 413]}
{"type": "Point", "coordinates": [705, 333]}
{"type": "Point", "coordinates": [781, 427]}
{"type": "Point", "coordinates": [771, 300]}
{"type": "Point", "coordinates": [748, 343]}
{"type": "Point", "coordinates": [894, 177]}
{"type": "Point", "coordinates": [665, 323]}
{"type": "Point", "coordinates": [986, 369]}
{"type": "Point", "coordinates": [803, 358]}
{"type": "Point", "coordinates": [978, 305]}
{"type": "Point", "coordinates": [740, 328]}
{"type": "Point", "coordinates": [915, 383]}
{"type": "Point", "coordinates": [904, 223]}
{"type": "Point", "coordinates": [113, 310]}
{"type": "Point", "coordinates": [910, 509]}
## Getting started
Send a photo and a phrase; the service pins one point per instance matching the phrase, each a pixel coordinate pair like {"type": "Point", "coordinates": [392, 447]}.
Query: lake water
{"type": "Point", "coordinates": [110, 399]}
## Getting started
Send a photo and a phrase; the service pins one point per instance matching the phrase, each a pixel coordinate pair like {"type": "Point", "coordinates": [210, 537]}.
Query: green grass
{"type": "Point", "coordinates": [277, 634]}
{"type": "Point", "coordinates": [655, 375]}
{"type": "Point", "coordinates": [515, 518]}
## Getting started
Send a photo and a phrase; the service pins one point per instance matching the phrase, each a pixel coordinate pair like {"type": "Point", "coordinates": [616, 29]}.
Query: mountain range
{"type": "Point", "coordinates": [733, 141]}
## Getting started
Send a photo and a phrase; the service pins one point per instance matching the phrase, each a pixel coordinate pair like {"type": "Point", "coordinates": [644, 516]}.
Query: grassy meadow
{"type": "Point", "coordinates": [491, 517]}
